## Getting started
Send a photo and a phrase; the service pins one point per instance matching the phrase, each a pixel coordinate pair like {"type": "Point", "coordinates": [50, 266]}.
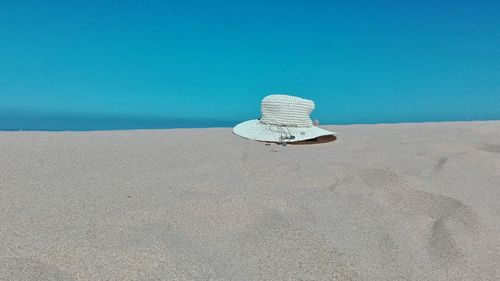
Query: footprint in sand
{"type": "Point", "coordinates": [279, 249]}
{"type": "Point", "coordinates": [451, 217]}
{"type": "Point", "coordinates": [443, 161]}
{"type": "Point", "coordinates": [494, 148]}
{"type": "Point", "coordinates": [440, 164]}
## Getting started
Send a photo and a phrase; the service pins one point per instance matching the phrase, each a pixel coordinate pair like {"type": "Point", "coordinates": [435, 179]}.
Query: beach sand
{"type": "Point", "coordinates": [382, 202]}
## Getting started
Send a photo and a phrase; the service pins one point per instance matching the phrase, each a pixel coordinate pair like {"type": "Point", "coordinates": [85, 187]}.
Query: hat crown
{"type": "Point", "coordinates": [284, 110]}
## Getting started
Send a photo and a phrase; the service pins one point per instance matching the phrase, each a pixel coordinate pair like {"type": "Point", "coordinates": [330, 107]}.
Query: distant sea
{"type": "Point", "coordinates": [76, 122]}
{"type": "Point", "coordinates": [15, 121]}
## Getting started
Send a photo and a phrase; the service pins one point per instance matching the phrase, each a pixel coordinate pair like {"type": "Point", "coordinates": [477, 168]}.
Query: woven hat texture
{"type": "Point", "coordinates": [286, 110]}
{"type": "Point", "coordinates": [284, 119]}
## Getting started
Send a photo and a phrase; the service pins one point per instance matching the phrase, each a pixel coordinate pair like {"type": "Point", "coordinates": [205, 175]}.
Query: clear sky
{"type": "Point", "coordinates": [360, 61]}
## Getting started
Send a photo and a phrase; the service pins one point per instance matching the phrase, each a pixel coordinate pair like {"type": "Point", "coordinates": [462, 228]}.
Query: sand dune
{"type": "Point", "coordinates": [382, 202]}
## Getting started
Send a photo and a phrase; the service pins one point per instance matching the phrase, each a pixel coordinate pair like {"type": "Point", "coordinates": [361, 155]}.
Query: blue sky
{"type": "Point", "coordinates": [360, 61]}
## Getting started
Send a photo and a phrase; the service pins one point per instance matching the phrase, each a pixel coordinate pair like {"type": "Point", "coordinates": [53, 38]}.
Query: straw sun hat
{"type": "Point", "coordinates": [284, 119]}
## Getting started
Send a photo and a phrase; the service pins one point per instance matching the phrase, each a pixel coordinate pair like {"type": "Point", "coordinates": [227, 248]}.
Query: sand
{"type": "Point", "coordinates": [382, 202]}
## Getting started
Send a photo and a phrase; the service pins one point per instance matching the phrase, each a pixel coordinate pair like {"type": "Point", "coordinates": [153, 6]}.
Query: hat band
{"type": "Point", "coordinates": [285, 134]}
{"type": "Point", "coordinates": [282, 125]}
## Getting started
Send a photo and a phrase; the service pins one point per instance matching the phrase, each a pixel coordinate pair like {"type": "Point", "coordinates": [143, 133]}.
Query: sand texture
{"type": "Point", "coordinates": [382, 202]}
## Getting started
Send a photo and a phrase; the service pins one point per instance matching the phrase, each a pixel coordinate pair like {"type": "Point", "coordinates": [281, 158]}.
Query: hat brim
{"type": "Point", "coordinates": [256, 130]}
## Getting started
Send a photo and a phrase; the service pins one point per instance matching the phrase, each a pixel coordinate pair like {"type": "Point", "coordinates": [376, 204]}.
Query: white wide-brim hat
{"type": "Point", "coordinates": [284, 119]}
